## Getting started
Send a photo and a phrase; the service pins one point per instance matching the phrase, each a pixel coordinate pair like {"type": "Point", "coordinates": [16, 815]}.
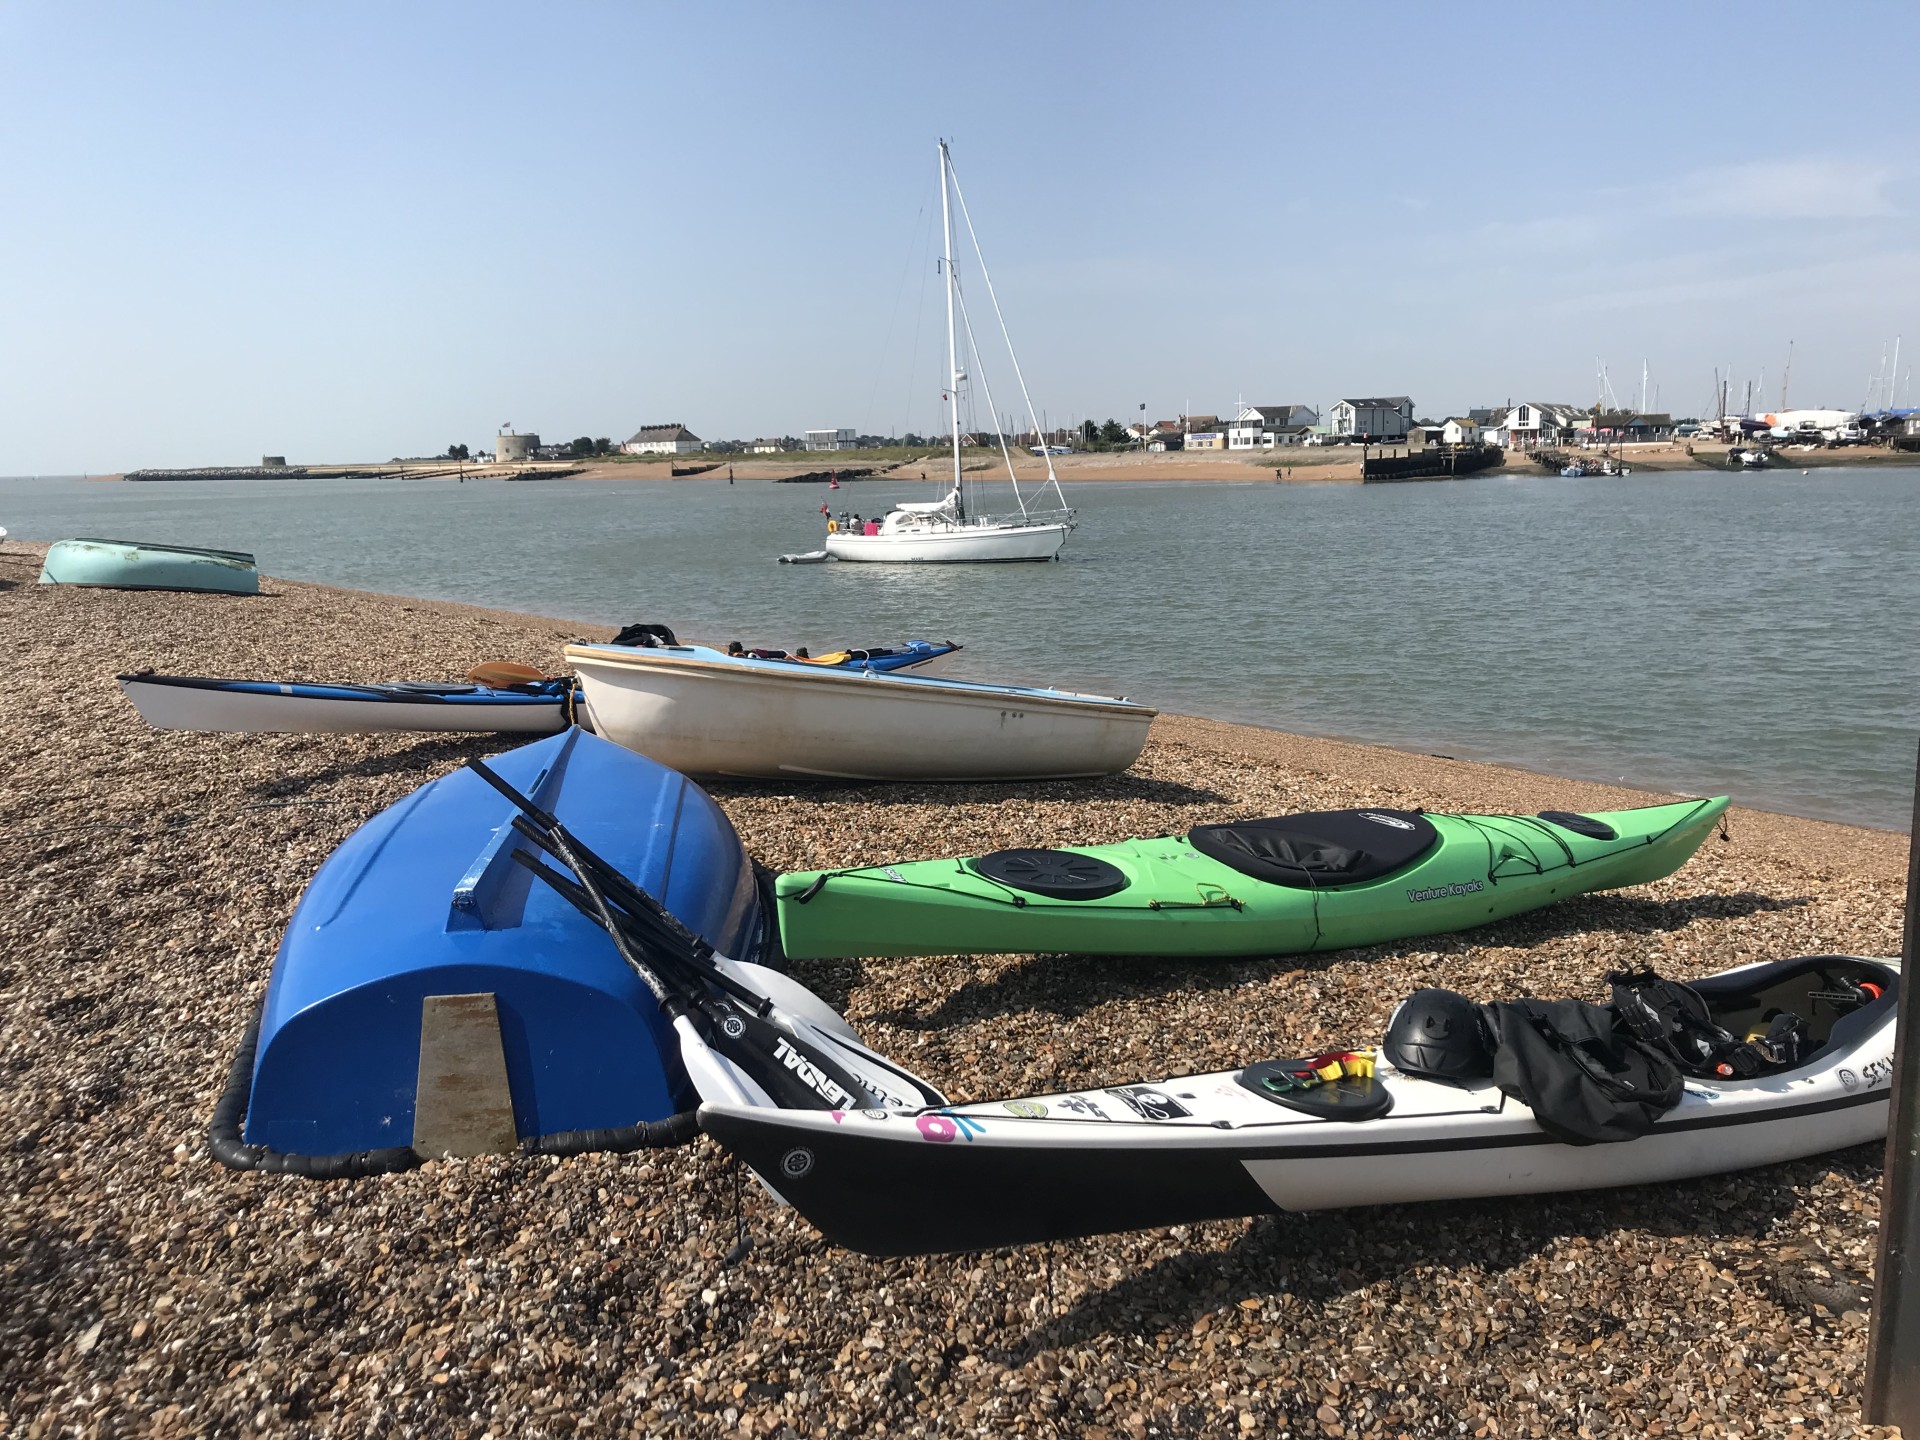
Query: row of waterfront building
{"type": "Point", "coordinates": [1376, 419]}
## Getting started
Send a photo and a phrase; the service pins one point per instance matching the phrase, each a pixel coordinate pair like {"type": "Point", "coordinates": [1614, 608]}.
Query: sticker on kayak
{"type": "Point", "coordinates": [1446, 892]}
{"type": "Point", "coordinates": [893, 874]}
{"type": "Point", "coordinates": [1081, 1105]}
{"type": "Point", "coordinates": [1149, 1103]}
{"type": "Point", "coordinates": [943, 1125]}
{"type": "Point", "coordinates": [1025, 1109]}
{"type": "Point", "coordinates": [1394, 820]}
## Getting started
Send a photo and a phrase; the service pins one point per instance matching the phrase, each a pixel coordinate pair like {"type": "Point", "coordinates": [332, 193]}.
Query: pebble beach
{"type": "Point", "coordinates": [144, 1290]}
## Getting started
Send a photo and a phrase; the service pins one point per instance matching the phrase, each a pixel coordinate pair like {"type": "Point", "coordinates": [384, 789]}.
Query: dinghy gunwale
{"type": "Point", "coordinates": [704, 661]}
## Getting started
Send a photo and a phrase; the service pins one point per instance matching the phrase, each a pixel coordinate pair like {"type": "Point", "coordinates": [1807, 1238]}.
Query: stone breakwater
{"type": "Point", "coordinates": [145, 1290]}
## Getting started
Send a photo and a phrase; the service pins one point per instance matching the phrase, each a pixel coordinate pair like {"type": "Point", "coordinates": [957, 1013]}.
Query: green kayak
{"type": "Point", "coordinates": [1261, 887]}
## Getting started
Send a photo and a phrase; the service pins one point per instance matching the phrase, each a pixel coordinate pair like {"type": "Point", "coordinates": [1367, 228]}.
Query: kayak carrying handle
{"type": "Point", "coordinates": [819, 884]}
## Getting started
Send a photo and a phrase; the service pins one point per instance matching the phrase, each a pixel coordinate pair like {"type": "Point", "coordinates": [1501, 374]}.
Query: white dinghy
{"type": "Point", "coordinates": [1317, 1133]}
{"type": "Point", "coordinates": [707, 713]}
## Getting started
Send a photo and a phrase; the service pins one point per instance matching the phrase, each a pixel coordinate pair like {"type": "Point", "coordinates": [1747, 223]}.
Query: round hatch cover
{"type": "Point", "coordinates": [1581, 824]}
{"type": "Point", "coordinates": [1056, 874]}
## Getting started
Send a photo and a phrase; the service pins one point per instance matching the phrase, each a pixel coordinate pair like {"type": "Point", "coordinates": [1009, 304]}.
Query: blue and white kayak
{"type": "Point", "coordinates": [183, 702]}
{"type": "Point", "coordinates": [423, 911]}
{"type": "Point", "coordinates": [138, 565]}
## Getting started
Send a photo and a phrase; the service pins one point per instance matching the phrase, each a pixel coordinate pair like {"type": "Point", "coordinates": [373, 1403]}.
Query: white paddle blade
{"type": "Point", "coordinates": [716, 1079]}
{"type": "Point", "coordinates": [807, 1017]}
{"type": "Point", "coordinates": [788, 995]}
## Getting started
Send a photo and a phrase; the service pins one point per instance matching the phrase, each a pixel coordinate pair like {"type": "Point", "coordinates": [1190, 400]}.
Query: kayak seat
{"type": "Point", "coordinates": [1313, 851]}
{"type": "Point", "coordinates": [1581, 824]}
{"type": "Point", "coordinates": [1055, 874]}
{"type": "Point", "coordinates": [1349, 1097]}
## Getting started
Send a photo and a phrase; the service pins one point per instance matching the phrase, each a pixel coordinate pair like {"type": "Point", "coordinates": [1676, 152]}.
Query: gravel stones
{"type": "Point", "coordinates": [145, 1290]}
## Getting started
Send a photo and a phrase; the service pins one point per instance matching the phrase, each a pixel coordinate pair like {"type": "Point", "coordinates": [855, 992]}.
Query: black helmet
{"type": "Point", "coordinates": [1440, 1035]}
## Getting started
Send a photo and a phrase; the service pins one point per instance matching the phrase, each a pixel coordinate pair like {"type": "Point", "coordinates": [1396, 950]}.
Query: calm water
{"type": "Point", "coordinates": [1692, 632]}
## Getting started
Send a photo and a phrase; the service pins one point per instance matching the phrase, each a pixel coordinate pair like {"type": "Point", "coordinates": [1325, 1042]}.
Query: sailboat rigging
{"type": "Point", "coordinates": [956, 529]}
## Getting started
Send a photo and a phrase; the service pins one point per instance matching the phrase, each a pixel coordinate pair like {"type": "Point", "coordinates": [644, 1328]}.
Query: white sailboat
{"type": "Point", "coordinates": [956, 529]}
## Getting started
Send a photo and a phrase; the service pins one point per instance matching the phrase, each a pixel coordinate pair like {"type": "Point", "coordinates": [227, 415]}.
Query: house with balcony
{"type": "Point", "coordinates": [1376, 417]}
{"type": "Point", "coordinates": [1533, 423]}
{"type": "Point", "coordinates": [1262, 427]}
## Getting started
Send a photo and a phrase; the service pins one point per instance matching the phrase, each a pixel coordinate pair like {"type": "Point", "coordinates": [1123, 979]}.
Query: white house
{"type": "Point", "coordinates": [1206, 440]}
{"type": "Point", "coordinates": [830, 439]}
{"type": "Point", "coordinates": [1375, 417]}
{"type": "Point", "coordinates": [1460, 431]}
{"type": "Point", "coordinates": [764, 446]}
{"type": "Point", "coordinates": [670, 439]}
{"type": "Point", "coordinates": [1540, 422]}
{"type": "Point", "coordinates": [1261, 427]}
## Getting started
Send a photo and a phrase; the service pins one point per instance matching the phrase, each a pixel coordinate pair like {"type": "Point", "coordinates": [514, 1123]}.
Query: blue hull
{"type": "Point", "coordinates": [425, 900]}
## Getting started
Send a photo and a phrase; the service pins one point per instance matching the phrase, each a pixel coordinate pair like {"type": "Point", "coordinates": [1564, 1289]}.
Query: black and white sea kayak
{"type": "Point", "coordinates": [1264, 1139]}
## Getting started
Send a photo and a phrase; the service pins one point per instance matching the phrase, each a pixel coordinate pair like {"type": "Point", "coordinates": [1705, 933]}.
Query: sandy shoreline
{"type": "Point", "coordinates": [143, 1288]}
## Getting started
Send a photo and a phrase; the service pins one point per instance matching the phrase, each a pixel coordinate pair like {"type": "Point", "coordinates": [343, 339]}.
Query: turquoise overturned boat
{"type": "Point", "coordinates": [431, 997]}
{"type": "Point", "coordinates": [138, 565]}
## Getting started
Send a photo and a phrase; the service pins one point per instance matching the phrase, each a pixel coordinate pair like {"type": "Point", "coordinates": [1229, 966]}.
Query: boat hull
{"type": "Point", "coordinates": [1055, 1167]}
{"type": "Point", "coordinates": [264, 707]}
{"type": "Point", "coordinates": [1178, 901]}
{"type": "Point", "coordinates": [426, 900]}
{"type": "Point", "coordinates": [132, 565]}
{"type": "Point", "coordinates": [711, 714]}
{"type": "Point", "coordinates": [958, 545]}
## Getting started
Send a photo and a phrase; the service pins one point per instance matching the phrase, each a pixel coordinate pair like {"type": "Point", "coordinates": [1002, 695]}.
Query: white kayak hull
{"type": "Point", "coordinates": [167, 703]}
{"type": "Point", "coordinates": [1199, 1147]}
{"type": "Point", "coordinates": [953, 545]}
{"type": "Point", "coordinates": [705, 713]}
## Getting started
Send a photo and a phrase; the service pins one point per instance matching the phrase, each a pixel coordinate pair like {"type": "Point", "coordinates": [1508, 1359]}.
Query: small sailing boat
{"type": "Point", "coordinates": [956, 529]}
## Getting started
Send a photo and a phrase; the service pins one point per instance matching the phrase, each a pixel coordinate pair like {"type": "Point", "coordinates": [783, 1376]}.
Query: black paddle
{"type": "Point", "coordinates": [724, 1034]}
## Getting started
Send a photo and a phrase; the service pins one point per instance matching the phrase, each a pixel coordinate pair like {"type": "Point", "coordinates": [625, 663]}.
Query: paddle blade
{"type": "Point", "coordinates": [499, 674]}
{"type": "Point", "coordinates": [715, 1079]}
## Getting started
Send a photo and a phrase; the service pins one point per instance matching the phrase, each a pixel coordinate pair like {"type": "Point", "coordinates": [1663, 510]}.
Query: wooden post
{"type": "Point", "coordinates": [1893, 1342]}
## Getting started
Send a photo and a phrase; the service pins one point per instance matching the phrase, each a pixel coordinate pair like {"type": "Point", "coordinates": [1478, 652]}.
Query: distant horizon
{"type": "Point", "coordinates": [438, 217]}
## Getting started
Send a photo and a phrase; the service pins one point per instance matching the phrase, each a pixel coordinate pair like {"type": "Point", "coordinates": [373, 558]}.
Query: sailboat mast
{"type": "Point", "coordinates": [953, 356]}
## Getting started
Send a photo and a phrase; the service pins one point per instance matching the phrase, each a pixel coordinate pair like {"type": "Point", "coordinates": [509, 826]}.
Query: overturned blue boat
{"type": "Point", "coordinates": [432, 998]}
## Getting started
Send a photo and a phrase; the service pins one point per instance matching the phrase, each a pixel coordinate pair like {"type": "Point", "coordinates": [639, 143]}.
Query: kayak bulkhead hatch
{"type": "Point", "coordinates": [425, 900]}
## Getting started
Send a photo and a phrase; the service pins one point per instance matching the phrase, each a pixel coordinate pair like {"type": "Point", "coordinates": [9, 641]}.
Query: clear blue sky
{"type": "Point", "coordinates": [351, 231]}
